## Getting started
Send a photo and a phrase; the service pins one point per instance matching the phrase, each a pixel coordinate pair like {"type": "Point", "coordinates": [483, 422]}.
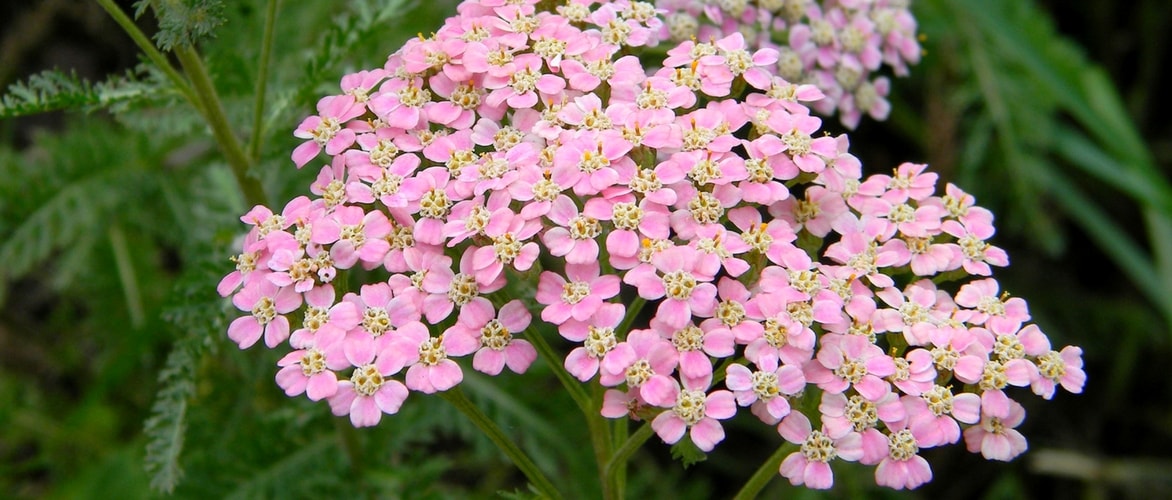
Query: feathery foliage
{"type": "Point", "coordinates": [183, 22]}
{"type": "Point", "coordinates": [56, 90]}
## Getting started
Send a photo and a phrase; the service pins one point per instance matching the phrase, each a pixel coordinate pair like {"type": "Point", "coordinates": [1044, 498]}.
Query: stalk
{"type": "Point", "coordinates": [456, 397]}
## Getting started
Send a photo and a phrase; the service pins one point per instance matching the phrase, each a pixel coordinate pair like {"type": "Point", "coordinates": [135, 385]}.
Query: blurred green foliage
{"type": "Point", "coordinates": [117, 380]}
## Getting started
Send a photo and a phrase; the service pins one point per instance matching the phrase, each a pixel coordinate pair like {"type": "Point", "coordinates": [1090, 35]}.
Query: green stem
{"type": "Point", "coordinates": [456, 397]}
{"type": "Point", "coordinates": [144, 43]}
{"type": "Point", "coordinates": [262, 77]}
{"type": "Point", "coordinates": [600, 438]}
{"type": "Point", "coordinates": [125, 265]}
{"type": "Point", "coordinates": [765, 473]}
{"type": "Point", "coordinates": [619, 436]}
{"type": "Point", "coordinates": [352, 445]}
{"type": "Point", "coordinates": [214, 114]}
{"type": "Point", "coordinates": [619, 461]}
{"type": "Point", "coordinates": [568, 381]}
{"type": "Point", "coordinates": [632, 312]}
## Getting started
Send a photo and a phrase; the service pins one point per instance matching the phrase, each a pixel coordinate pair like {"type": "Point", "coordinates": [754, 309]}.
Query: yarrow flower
{"type": "Point", "coordinates": [518, 173]}
{"type": "Point", "coordinates": [837, 46]}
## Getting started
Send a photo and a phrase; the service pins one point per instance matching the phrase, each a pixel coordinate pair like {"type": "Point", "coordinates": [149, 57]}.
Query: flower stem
{"type": "Point", "coordinates": [765, 473]}
{"type": "Point", "coordinates": [568, 381]}
{"type": "Point", "coordinates": [125, 265]}
{"type": "Point", "coordinates": [262, 77]}
{"type": "Point", "coordinates": [633, 443]}
{"type": "Point", "coordinates": [151, 52]}
{"type": "Point", "coordinates": [632, 312]}
{"type": "Point", "coordinates": [456, 397]}
{"type": "Point", "coordinates": [213, 112]}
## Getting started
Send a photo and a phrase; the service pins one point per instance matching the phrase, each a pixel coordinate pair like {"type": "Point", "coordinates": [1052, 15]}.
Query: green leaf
{"type": "Point", "coordinates": [687, 453]}
{"type": "Point", "coordinates": [198, 317]}
{"type": "Point", "coordinates": [54, 90]}
{"type": "Point", "coordinates": [183, 22]}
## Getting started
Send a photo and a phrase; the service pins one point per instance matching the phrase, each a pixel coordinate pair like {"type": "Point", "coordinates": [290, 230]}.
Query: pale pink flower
{"type": "Point", "coordinates": [847, 361]}
{"type": "Point", "coordinates": [684, 292]}
{"type": "Point", "coordinates": [996, 438]}
{"type": "Point", "coordinates": [370, 391]}
{"type": "Point", "coordinates": [311, 371]}
{"type": "Point", "coordinates": [997, 311]}
{"type": "Point", "coordinates": [598, 338]}
{"type": "Point", "coordinates": [695, 412]}
{"type": "Point", "coordinates": [328, 128]}
{"type": "Point", "coordinates": [765, 390]}
{"type": "Point", "coordinates": [494, 337]}
{"type": "Point", "coordinates": [644, 361]}
{"type": "Point", "coordinates": [933, 415]}
{"type": "Point", "coordinates": [268, 304]}
{"type": "Point", "coordinates": [579, 297]}
{"type": "Point", "coordinates": [903, 467]}
{"type": "Point", "coordinates": [978, 254]}
{"type": "Point", "coordinates": [811, 465]}
{"type": "Point", "coordinates": [573, 235]}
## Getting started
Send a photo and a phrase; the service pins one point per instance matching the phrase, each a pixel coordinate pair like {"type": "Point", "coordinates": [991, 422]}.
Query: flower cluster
{"type": "Point", "coordinates": [838, 45]}
{"type": "Point", "coordinates": [517, 145]}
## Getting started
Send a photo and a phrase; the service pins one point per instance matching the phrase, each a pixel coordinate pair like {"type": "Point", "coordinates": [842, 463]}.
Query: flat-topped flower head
{"type": "Point", "coordinates": [674, 225]}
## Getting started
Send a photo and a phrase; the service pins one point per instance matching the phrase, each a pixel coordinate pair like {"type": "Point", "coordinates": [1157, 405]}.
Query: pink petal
{"type": "Point", "coordinates": [669, 426]}
{"type": "Point", "coordinates": [706, 433]}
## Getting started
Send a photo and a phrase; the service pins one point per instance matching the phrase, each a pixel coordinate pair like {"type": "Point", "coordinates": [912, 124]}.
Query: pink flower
{"type": "Point", "coordinates": [573, 235]}
{"type": "Point", "coordinates": [494, 337]}
{"type": "Point", "coordinates": [851, 361]}
{"type": "Point", "coordinates": [577, 298]}
{"type": "Point", "coordinates": [765, 390]}
{"type": "Point", "coordinates": [998, 312]}
{"type": "Point", "coordinates": [903, 467]}
{"type": "Point", "coordinates": [685, 293]}
{"type": "Point", "coordinates": [644, 361]}
{"type": "Point", "coordinates": [311, 371]}
{"type": "Point", "coordinates": [597, 336]}
{"type": "Point", "coordinates": [996, 438]}
{"type": "Point", "coordinates": [978, 254]}
{"type": "Point", "coordinates": [933, 415]}
{"type": "Point", "coordinates": [325, 322]}
{"type": "Point", "coordinates": [1059, 367]}
{"type": "Point", "coordinates": [326, 130]}
{"type": "Point", "coordinates": [429, 369]}
{"type": "Point", "coordinates": [268, 304]}
{"type": "Point", "coordinates": [696, 413]}
{"type": "Point", "coordinates": [448, 290]}
{"type": "Point", "coordinates": [811, 465]}
{"type": "Point", "coordinates": [370, 392]}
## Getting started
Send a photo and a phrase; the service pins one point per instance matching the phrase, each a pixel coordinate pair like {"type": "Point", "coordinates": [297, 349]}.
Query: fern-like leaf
{"type": "Point", "coordinates": [196, 314]}
{"type": "Point", "coordinates": [183, 22]}
{"type": "Point", "coordinates": [55, 90]}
